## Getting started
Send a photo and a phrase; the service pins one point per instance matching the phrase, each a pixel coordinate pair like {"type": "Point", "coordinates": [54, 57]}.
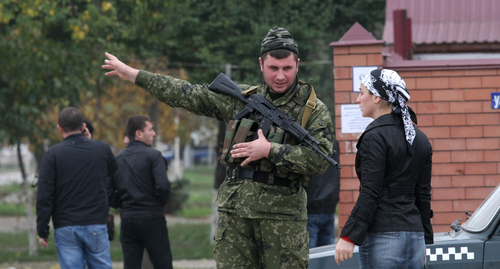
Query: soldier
{"type": "Point", "coordinates": [262, 205]}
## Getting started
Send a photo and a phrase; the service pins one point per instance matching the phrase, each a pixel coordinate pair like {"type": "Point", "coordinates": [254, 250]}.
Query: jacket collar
{"type": "Point", "coordinates": [384, 120]}
{"type": "Point", "coordinates": [73, 136]}
{"type": "Point", "coordinates": [136, 143]}
{"type": "Point", "coordinates": [387, 119]}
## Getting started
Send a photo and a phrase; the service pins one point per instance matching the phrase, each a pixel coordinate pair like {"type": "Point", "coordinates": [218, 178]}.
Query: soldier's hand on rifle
{"type": "Point", "coordinates": [254, 150]}
{"type": "Point", "coordinates": [120, 69]}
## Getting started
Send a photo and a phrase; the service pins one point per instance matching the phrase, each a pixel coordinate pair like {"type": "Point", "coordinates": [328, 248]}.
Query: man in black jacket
{"type": "Point", "coordinates": [72, 191]}
{"type": "Point", "coordinates": [141, 189]}
{"type": "Point", "coordinates": [322, 199]}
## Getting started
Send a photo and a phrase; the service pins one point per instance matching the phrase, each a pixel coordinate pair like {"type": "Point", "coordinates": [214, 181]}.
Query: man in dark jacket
{"type": "Point", "coordinates": [72, 190]}
{"type": "Point", "coordinates": [322, 199]}
{"type": "Point", "coordinates": [141, 189]}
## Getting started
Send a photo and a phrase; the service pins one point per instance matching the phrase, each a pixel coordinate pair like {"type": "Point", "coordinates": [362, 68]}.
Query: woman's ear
{"type": "Point", "coordinates": [376, 99]}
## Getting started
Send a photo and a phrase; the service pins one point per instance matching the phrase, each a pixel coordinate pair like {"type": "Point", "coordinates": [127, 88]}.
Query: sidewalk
{"type": "Point", "coordinates": [181, 264]}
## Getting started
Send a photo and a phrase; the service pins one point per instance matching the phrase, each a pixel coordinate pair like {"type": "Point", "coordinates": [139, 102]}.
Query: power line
{"type": "Point", "coordinates": [233, 66]}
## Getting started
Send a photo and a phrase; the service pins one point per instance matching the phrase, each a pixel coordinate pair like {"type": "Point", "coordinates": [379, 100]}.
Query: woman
{"type": "Point", "coordinates": [391, 219]}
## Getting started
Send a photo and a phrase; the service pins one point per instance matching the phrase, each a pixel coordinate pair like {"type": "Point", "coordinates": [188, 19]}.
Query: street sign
{"type": "Point", "coordinates": [495, 100]}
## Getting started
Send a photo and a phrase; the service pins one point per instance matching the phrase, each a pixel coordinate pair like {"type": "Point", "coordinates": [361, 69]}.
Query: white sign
{"type": "Point", "coordinates": [352, 121]}
{"type": "Point", "coordinates": [358, 72]}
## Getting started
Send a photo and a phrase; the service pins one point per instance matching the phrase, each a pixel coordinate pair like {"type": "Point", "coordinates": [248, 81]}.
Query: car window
{"type": "Point", "coordinates": [485, 213]}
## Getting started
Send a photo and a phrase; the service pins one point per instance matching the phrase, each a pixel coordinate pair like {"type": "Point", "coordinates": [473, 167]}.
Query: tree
{"type": "Point", "coordinates": [44, 65]}
{"type": "Point", "coordinates": [51, 51]}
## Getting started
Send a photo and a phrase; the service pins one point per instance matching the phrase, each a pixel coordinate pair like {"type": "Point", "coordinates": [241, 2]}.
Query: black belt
{"type": "Point", "coordinates": [395, 191]}
{"type": "Point", "coordinates": [262, 177]}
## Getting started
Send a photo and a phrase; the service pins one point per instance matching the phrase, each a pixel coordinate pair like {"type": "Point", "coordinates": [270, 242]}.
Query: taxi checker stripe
{"type": "Point", "coordinates": [451, 253]}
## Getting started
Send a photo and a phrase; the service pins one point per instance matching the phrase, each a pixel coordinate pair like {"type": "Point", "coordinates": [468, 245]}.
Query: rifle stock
{"type": "Point", "coordinates": [222, 84]}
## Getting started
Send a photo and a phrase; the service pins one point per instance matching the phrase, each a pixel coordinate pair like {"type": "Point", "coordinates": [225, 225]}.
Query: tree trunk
{"type": "Point", "coordinates": [27, 195]}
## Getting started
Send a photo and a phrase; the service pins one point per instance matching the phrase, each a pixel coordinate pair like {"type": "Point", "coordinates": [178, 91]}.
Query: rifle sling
{"type": "Point", "coordinates": [310, 105]}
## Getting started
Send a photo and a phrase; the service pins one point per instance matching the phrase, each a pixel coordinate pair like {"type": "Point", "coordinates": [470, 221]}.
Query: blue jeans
{"type": "Point", "coordinates": [151, 233]}
{"type": "Point", "coordinates": [77, 245]}
{"type": "Point", "coordinates": [398, 250]}
{"type": "Point", "coordinates": [321, 228]}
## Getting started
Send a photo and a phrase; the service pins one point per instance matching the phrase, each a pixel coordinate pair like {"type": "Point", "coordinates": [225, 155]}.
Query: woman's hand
{"type": "Point", "coordinates": [343, 251]}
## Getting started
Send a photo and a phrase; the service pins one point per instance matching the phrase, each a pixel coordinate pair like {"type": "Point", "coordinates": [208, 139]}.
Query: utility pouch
{"type": "Point", "coordinates": [238, 131]}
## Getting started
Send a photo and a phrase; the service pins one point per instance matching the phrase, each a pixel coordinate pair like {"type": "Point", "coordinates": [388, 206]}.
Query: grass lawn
{"type": "Point", "coordinates": [188, 241]}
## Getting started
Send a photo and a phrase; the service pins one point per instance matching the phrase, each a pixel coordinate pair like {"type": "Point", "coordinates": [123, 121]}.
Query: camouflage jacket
{"type": "Point", "coordinates": [287, 159]}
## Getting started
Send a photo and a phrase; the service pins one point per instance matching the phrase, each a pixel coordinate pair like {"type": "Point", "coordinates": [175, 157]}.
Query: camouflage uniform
{"type": "Point", "coordinates": [260, 225]}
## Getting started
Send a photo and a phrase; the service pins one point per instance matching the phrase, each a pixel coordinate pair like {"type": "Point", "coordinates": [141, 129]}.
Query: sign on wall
{"type": "Point", "coordinates": [352, 120]}
{"type": "Point", "coordinates": [358, 72]}
{"type": "Point", "coordinates": [495, 100]}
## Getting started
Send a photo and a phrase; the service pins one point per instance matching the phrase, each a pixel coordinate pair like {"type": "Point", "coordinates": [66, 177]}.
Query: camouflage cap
{"type": "Point", "coordinates": [279, 38]}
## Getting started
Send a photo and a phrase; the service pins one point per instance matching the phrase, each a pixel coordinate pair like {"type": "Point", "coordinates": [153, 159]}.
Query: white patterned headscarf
{"type": "Point", "coordinates": [388, 85]}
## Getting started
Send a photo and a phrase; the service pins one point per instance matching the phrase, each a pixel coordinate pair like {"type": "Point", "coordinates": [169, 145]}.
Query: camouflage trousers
{"type": "Point", "coordinates": [260, 243]}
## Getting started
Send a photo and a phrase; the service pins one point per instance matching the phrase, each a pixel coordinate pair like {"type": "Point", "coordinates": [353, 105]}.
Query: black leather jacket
{"type": "Point", "coordinates": [395, 178]}
{"type": "Point", "coordinates": [71, 186]}
{"type": "Point", "coordinates": [141, 187]}
{"type": "Point", "coordinates": [323, 190]}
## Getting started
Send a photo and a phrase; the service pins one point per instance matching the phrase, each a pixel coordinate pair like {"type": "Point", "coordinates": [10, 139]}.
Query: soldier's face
{"type": "Point", "coordinates": [279, 74]}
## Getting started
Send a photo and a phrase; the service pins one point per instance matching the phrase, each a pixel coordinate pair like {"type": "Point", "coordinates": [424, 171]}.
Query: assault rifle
{"type": "Point", "coordinates": [270, 114]}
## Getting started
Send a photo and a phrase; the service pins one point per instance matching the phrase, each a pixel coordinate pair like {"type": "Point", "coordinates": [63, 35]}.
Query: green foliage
{"type": "Point", "coordinates": [9, 188]}
{"type": "Point", "coordinates": [190, 241]}
{"type": "Point", "coordinates": [11, 209]}
{"type": "Point", "coordinates": [51, 51]}
{"type": "Point", "coordinates": [48, 53]}
{"type": "Point", "coordinates": [14, 249]}
{"type": "Point", "coordinates": [178, 195]}
{"type": "Point", "coordinates": [8, 209]}
{"type": "Point", "coordinates": [200, 189]}
{"type": "Point", "coordinates": [202, 36]}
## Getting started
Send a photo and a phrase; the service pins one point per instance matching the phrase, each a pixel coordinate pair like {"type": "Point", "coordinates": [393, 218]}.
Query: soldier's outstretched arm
{"type": "Point", "coordinates": [118, 68]}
